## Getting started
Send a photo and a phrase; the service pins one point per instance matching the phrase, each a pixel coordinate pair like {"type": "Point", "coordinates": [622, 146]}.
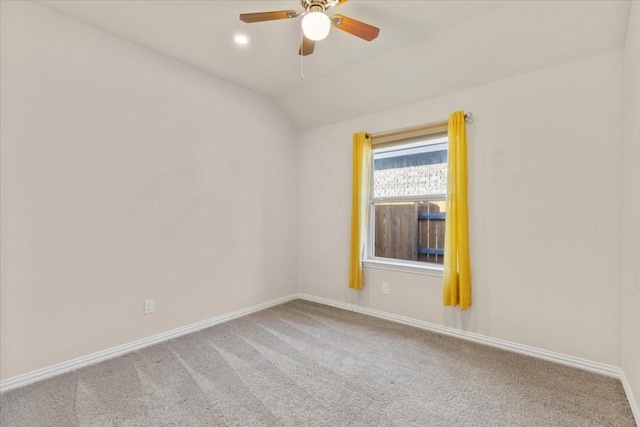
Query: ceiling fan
{"type": "Point", "coordinates": [315, 23]}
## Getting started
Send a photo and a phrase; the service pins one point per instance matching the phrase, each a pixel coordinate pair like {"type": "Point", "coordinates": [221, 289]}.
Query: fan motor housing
{"type": "Point", "coordinates": [314, 5]}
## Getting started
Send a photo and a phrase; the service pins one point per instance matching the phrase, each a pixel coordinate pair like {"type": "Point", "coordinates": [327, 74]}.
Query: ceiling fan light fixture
{"type": "Point", "coordinates": [316, 25]}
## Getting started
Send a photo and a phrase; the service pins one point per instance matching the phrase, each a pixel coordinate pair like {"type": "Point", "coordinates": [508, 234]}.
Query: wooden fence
{"type": "Point", "coordinates": [412, 231]}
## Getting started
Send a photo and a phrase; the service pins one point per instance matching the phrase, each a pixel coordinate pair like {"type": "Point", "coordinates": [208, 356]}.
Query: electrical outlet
{"type": "Point", "coordinates": [385, 287]}
{"type": "Point", "coordinates": [149, 306]}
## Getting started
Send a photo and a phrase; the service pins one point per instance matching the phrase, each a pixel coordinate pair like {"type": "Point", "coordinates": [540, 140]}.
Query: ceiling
{"type": "Point", "coordinates": [425, 48]}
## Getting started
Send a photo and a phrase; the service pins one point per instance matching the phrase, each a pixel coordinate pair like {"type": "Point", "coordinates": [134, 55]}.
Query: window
{"type": "Point", "coordinates": [407, 206]}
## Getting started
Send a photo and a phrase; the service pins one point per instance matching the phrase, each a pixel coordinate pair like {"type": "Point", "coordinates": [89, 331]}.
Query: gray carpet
{"type": "Point", "coordinates": [306, 364]}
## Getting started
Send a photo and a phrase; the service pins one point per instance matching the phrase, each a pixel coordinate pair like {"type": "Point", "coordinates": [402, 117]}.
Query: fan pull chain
{"type": "Point", "coordinates": [302, 52]}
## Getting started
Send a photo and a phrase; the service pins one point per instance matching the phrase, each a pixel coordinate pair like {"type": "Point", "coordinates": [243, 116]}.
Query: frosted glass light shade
{"type": "Point", "coordinates": [316, 25]}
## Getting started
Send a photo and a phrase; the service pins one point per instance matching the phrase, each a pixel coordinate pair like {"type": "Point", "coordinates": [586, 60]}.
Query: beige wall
{"type": "Point", "coordinates": [631, 208]}
{"type": "Point", "coordinates": [125, 176]}
{"type": "Point", "coordinates": [544, 177]}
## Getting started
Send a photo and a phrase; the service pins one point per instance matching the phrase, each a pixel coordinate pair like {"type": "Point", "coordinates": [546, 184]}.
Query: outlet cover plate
{"type": "Point", "coordinates": [149, 306]}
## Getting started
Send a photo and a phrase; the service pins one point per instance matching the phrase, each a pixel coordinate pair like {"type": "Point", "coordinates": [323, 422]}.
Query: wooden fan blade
{"type": "Point", "coordinates": [355, 27]}
{"type": "Point", "coordinates": [335, 3]}
{"type": "Point", "coordinates": [306, 46]}
{"type": "Point", "coordinates": [267, 16]}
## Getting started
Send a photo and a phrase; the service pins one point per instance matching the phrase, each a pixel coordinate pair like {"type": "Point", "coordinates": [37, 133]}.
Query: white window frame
{"type": "Point", "coordinates": [393, 264]}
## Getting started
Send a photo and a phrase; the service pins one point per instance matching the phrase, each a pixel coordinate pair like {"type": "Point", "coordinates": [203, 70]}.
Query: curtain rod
{"type": "Point", "coordinates": [417, 130]}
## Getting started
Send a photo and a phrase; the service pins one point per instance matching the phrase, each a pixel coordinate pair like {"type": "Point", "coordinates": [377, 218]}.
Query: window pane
{"type": "Point", "coordinates": [416, 169]}
{"type": "Point", "coordinates": [410, 231]}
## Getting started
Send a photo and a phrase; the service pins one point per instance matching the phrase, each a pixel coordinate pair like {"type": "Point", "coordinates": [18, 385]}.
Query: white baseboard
{"type": "Point", "coordinates": [575, 362]}
{"type": "Point", "coordinates": [632, 400]}
{"type": "Point", "coordinates": [90, 359]}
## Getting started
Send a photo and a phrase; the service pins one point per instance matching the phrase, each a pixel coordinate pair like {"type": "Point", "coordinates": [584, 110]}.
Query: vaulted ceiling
{"type": "Point", "coordinates": [425, 48]}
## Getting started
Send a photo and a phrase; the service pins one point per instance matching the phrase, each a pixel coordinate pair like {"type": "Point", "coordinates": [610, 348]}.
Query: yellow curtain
{"type": "Point", "coordinates": [457, 264]}
{"type": "Point", "coordinates": [359, 200]}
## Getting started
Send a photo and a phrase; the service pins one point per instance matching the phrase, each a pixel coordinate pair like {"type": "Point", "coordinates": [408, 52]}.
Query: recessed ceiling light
{"type": "Point", "coordinates": [241, 39]}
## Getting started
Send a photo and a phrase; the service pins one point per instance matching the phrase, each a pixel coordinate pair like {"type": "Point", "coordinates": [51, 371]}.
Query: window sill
{"type": "Point", "coordinates": [405, 267]}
